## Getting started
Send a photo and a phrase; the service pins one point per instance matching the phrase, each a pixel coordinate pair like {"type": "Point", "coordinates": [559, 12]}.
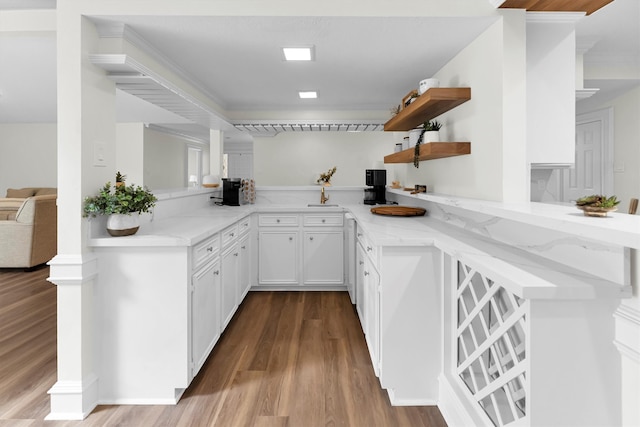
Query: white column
{"type": "Point", "coordinates": [216, 141]}
{"type": "Point", "coordinates": [86, 159]}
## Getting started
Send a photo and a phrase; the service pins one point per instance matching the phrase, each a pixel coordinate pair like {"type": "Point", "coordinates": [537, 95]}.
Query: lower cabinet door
{"type": "Point", "coordinates": [278, 257]}
{"type": "Point", "coordinates": [323, 257]}
{"type": "Point", "coordinates": [360, 257]}
{"type": "Point", "coordinates": [229, 283]}
{"type": "Point", "coordinates": [244, 267]}
{"type": "Point", "coordinates": [205, 313]}
{"type": "Point", "coordinates": [372, 313]}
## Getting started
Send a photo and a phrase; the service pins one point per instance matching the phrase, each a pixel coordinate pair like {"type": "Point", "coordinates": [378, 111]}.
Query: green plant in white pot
{"type": "Point", "coordinates": [430, 132]}
{"type": "Point", "coordinates": [122, 204]}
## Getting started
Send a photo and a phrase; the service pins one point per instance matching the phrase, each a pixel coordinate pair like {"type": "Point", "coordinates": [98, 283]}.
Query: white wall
{"type": "Point", "coordinates": [165, 160]}
{"type": "Point", "coordinates": [298, 158]}
{"type": "Point", "coordinates": [130, 152]}
{"type": "Point", "coordinates": [28, 156]}
{"type": "Point", "coordinates": [479, 120]}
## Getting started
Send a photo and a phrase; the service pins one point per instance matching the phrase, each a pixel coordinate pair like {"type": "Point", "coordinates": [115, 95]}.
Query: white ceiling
{"type": "Point", "coordinates": [360, 63]}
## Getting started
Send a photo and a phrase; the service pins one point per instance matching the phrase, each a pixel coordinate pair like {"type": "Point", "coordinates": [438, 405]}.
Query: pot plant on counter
{"type": "Point", "coordinates": [122, 204]}
{"type": "Point", "coordinates": [597, 205]}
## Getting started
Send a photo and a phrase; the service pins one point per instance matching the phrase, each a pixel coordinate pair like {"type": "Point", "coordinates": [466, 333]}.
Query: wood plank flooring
{"type": "Point", "coordinates": [286, 359]}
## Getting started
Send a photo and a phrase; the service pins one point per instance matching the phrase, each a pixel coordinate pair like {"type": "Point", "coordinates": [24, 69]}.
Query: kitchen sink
{"type": "Point", "coordinates": [318, 205]}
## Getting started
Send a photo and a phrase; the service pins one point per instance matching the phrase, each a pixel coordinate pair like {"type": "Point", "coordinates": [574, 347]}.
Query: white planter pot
{"type": "Point", "coordinates": [414, 134]}
{"type": "Point", "coordinates": [123, 225]}
{"type": "Point", "coordinates": [431, 136]}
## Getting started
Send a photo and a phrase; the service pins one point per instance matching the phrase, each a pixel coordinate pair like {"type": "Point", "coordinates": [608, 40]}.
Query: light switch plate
{"type": "Point", "coordinates": [99, 154]}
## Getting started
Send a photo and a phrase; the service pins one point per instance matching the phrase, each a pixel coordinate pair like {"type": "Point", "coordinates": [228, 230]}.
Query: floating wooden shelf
{"type": "Point", "coordinates": [430, 151]}
{"type": "Point", "coordinates": [431, 104]}
{"type": "Point", "coordinates": [588, 6]}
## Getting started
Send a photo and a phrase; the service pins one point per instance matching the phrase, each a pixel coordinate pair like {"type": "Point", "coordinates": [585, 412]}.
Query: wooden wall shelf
{"type": "Point", "coordinates": [588, 6]}
{"type": "Point", "coordinates": [427, 106]}
{"type": "Point", "coordinates": [430, 151]}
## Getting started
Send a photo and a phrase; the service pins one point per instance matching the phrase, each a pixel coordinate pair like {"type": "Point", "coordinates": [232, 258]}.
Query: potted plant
{"type": "Point", "coordinates": [325, 178]}
{"type": "Point", "coordinates": [122, 204]}
{"type": "Point", "coordinates": [597, 205]}
{"type": "Point", "coordinates": [429, 132]}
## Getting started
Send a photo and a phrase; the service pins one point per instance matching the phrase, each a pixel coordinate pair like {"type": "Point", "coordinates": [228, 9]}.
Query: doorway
{"type": "Point", "coordinates": [592, 172]}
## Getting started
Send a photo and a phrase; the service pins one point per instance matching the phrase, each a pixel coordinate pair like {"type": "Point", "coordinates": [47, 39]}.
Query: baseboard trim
{"type": "Point", "coordinates": [409, 402]}
{"type": "Point", "coordinates": [73, 400]}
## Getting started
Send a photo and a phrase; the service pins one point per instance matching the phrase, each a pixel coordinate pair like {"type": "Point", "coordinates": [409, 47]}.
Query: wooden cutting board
{"type": "Point", "coordinates": [398, 211]}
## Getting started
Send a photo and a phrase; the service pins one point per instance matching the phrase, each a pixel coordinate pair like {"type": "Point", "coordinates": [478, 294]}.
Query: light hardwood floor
{"type": "Point", "coordinates": [286, 359]}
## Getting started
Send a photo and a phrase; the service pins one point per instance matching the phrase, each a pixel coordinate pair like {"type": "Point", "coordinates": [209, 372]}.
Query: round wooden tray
{"type": "Point", "coordinates": [398, 211]}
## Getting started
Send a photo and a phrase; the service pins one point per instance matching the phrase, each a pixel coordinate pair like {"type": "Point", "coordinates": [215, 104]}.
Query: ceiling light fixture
{"type": "Point", "coordinates": [298, 53]}
{"type": "Point", "coordinates": [308, 95]}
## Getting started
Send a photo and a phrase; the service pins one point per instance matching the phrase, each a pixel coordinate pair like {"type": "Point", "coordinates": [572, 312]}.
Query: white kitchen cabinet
{"type": "Point", "coordinates": [359, 278]}
{"type": "Point", "coordinates": [323, 249]}
{"type": "Point", "coordinates": [229, 283]}
{"type": "Point", "coordinates": [205, 313]}
{"type": "Point", "coordinates": [244, 266]}
{"type": "Point", "coordinates": [323, 257]}
{"type": "Point", "coordinates": [278, 249]}
{"type": "Point", "coordinates": [400, 313]}
{"type": "Point", "coordinates": [371, 325]}
{"type": "Point", "coordinates": [278, 257]}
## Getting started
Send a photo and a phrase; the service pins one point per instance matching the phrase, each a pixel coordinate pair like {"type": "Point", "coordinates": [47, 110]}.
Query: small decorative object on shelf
{"type": "Point", "coordinates": [408, 99]}
{"type": "Point", "coordinates": [429, 126]}
{"type": "Point", "coordinates": [325, 178]}
{"type": "Point", "coordinates": [120, 179]}
{"type": "Point", "coordinates": [597, 205]}
{"type": "Point", "coordinates": [427, 84]}
{"type": "Point", "coordinates": [122, 203]}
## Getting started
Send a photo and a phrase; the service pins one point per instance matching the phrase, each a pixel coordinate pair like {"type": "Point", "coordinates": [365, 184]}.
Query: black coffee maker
{"type": "Point", "coordinates": [231, 191]}
{"type": "Point", "coordinates": [377, 180]}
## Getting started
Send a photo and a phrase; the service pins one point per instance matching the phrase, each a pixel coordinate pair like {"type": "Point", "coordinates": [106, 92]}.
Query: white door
{"type": "Point", "coordinates": [593, 169]}
{"type": "Point", "coordinates": [585, 177]}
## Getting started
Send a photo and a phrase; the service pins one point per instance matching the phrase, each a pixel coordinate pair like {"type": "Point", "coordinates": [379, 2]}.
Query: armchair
{"type": "Point", "coordinates": [31, 238]}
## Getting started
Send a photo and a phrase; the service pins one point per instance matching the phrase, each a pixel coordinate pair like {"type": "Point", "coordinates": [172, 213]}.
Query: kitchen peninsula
{"type": "Point", "coordinates": [485, 309]}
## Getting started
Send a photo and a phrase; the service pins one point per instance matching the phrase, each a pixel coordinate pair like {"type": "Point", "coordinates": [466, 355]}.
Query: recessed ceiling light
{"type": "Point", "coordinates": [308, 95]}
{"type": "Point", "coordinates": [298, 53]}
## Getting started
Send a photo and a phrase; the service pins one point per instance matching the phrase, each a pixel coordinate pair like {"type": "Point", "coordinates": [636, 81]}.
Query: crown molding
{"type": "Point", "coordinates": [554, 17]}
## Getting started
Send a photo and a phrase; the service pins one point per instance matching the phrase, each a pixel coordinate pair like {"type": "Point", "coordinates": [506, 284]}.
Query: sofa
{"type": "Point", "coordinates": [28, 227]}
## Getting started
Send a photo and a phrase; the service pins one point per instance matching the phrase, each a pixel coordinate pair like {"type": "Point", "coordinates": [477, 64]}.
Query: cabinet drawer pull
{"type": "Point", "coordinates": [278, 220]}
{"type": "Point", "coordinates": [310, 238]}
{"type": "Point", "coordinates": [290, 238]}
{"type": "Point", "coordinates": [243, 247]}
{"type": "Point", "coordinates": [217, 272]}
{"type": "Point", "coordinates": [232, 234]}
{"type": "Point", "coordinates": [361, 262]}
{"type": "Point", "coordinates": [235, 254]}
{"type": "Point", "coordinates": [366, 273]}
{"type": "Point", "coordinates": [210, 249]}
{"type": "Point", "coordinates": [359, 234]}
{"type": "Point", "coordinates": [324, 220]}
{"type": "Point", "coordinates": [369, 248]}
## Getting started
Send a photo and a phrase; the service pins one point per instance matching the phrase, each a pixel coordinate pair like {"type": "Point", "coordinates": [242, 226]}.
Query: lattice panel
{"type": "Point", "coordinates": [491, 332]}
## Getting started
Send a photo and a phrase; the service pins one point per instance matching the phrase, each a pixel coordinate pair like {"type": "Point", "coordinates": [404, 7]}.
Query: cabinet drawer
{"type": "Point", "coordinates": [323, 220]}
{"type": "Point", "coordinates": [369, 248]}
{"type": "Point", "coordinates": [206, 250]}
{"type": "Point", "coordinates": [278, 220]}
{"type": "Point", "coordinates": [229, 235]}
{"type": "Point", "coordinates": [244, 225]}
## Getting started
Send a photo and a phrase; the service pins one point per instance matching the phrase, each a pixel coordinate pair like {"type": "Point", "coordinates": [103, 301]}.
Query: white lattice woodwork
{"type": "Point", "coordinates": [491, 335]}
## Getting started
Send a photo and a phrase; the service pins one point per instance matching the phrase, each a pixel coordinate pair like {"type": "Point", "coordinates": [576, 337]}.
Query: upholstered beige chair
{"type": "Point", "coordinates": [30, 238]}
